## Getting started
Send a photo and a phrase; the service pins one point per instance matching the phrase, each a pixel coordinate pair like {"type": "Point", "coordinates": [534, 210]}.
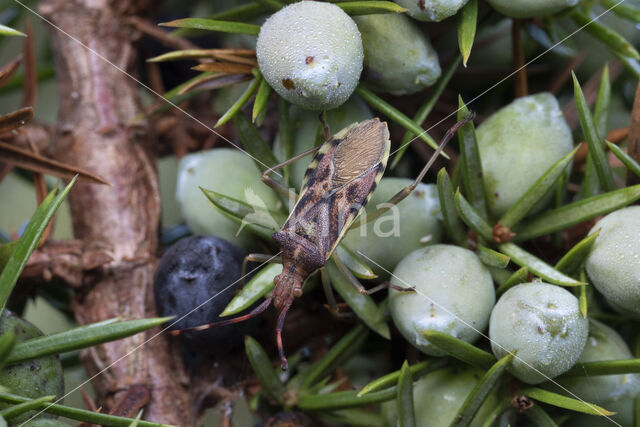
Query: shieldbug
{"type": "Point", "coordinates": [337, 185]}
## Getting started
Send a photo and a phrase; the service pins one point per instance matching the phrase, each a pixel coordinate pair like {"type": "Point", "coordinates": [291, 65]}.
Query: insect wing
{"type": "Point", "coordinates": [360, 162]}
{"type": "Point", "coordinates": [338, 184]}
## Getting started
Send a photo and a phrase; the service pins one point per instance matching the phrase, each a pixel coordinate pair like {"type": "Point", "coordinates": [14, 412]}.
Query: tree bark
{"type": "Point", "coordinates": [100, 129]}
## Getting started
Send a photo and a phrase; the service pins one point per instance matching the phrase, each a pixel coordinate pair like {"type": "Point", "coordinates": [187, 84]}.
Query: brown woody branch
{"type": "Point", "coordinates": [521, 87]}
{"type": "Point", "coordinates": [99, 105]}
{"type": "Point", "coordinates": [35, 134]}
{"type": "Point", "coordinates": [56, 260]}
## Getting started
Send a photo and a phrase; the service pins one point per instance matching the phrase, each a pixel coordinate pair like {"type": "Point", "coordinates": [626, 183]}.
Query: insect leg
{"type": "Point", "coordinates": [275, 184]}
{"type": "Point", "coordinates": [253, 313]}
{"type": "Point", "coordinates": [348, 275]}
{"type": "Point", "coordinates": [262, 258]}
{"type": "Point", "coordinates": [279, 327]}
{"type": "Point", "coordinates": [389, 285]}
{"type": "Point", "coordinates": [325, 126]}
{"type": "Point", "coordinates": [361, 289]}
{"type": "Point", "coordinates": [402, 194]}
{"type": "Point", "coordinates": [332, 305]}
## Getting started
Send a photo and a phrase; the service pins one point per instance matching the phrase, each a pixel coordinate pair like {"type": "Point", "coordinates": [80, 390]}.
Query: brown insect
{"type": "Point", "coordinates": [338, 183]}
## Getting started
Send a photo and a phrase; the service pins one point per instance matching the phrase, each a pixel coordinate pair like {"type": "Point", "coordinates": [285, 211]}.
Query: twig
{"type": "Point", "coordinates": [39, 164]}
{"type": "Point", "coordinates": [88, 404]}
{"type": "Point", "coordinates": [62, 261]}
{"type": "Point", "coordinates": [30, 69]}
{"type": "Point", "coordinates": [34, 134]}
{"type": "Point", "coordinates": [563, 77]}
{"type": "Point", "coordinates": [132, 401]}
{"type": "Point", "coordinates": [224, 67]}
{"type": "Point", "coordinates": [14, 120]}
{"type": "Point", "coordinates": [497, 72]}
{"type": "Point", "coordinates": [7, 71]}
{"type": "Point", "coordinates": [237, 59]}
{"type": "Point", "coordinates": [521, 88]}
{"type": "Point", "coordinates": [215, 81]}
{"type": "Point", "coordinates": [29, 100]}
{"type": "Point", "coordinates": [163, 36]}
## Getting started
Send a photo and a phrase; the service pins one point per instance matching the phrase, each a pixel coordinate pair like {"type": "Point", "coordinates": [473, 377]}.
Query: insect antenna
{"type": "Point", "coordinates": [255, 312]}
{"type": "Point", "coordinates": [445, 140]}
{"type": "Point", "coordinates": [279, 326]}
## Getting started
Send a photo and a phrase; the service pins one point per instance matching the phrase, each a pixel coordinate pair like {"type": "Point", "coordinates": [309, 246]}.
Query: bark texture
{"type": "Point", "coordinates": [100, 128]}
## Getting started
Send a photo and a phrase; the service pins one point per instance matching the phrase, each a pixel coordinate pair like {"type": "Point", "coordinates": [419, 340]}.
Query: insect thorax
{"type": "Point", "coordinates": [338, 183]}
{"type": "Point", "coordinates": [298, 253]}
